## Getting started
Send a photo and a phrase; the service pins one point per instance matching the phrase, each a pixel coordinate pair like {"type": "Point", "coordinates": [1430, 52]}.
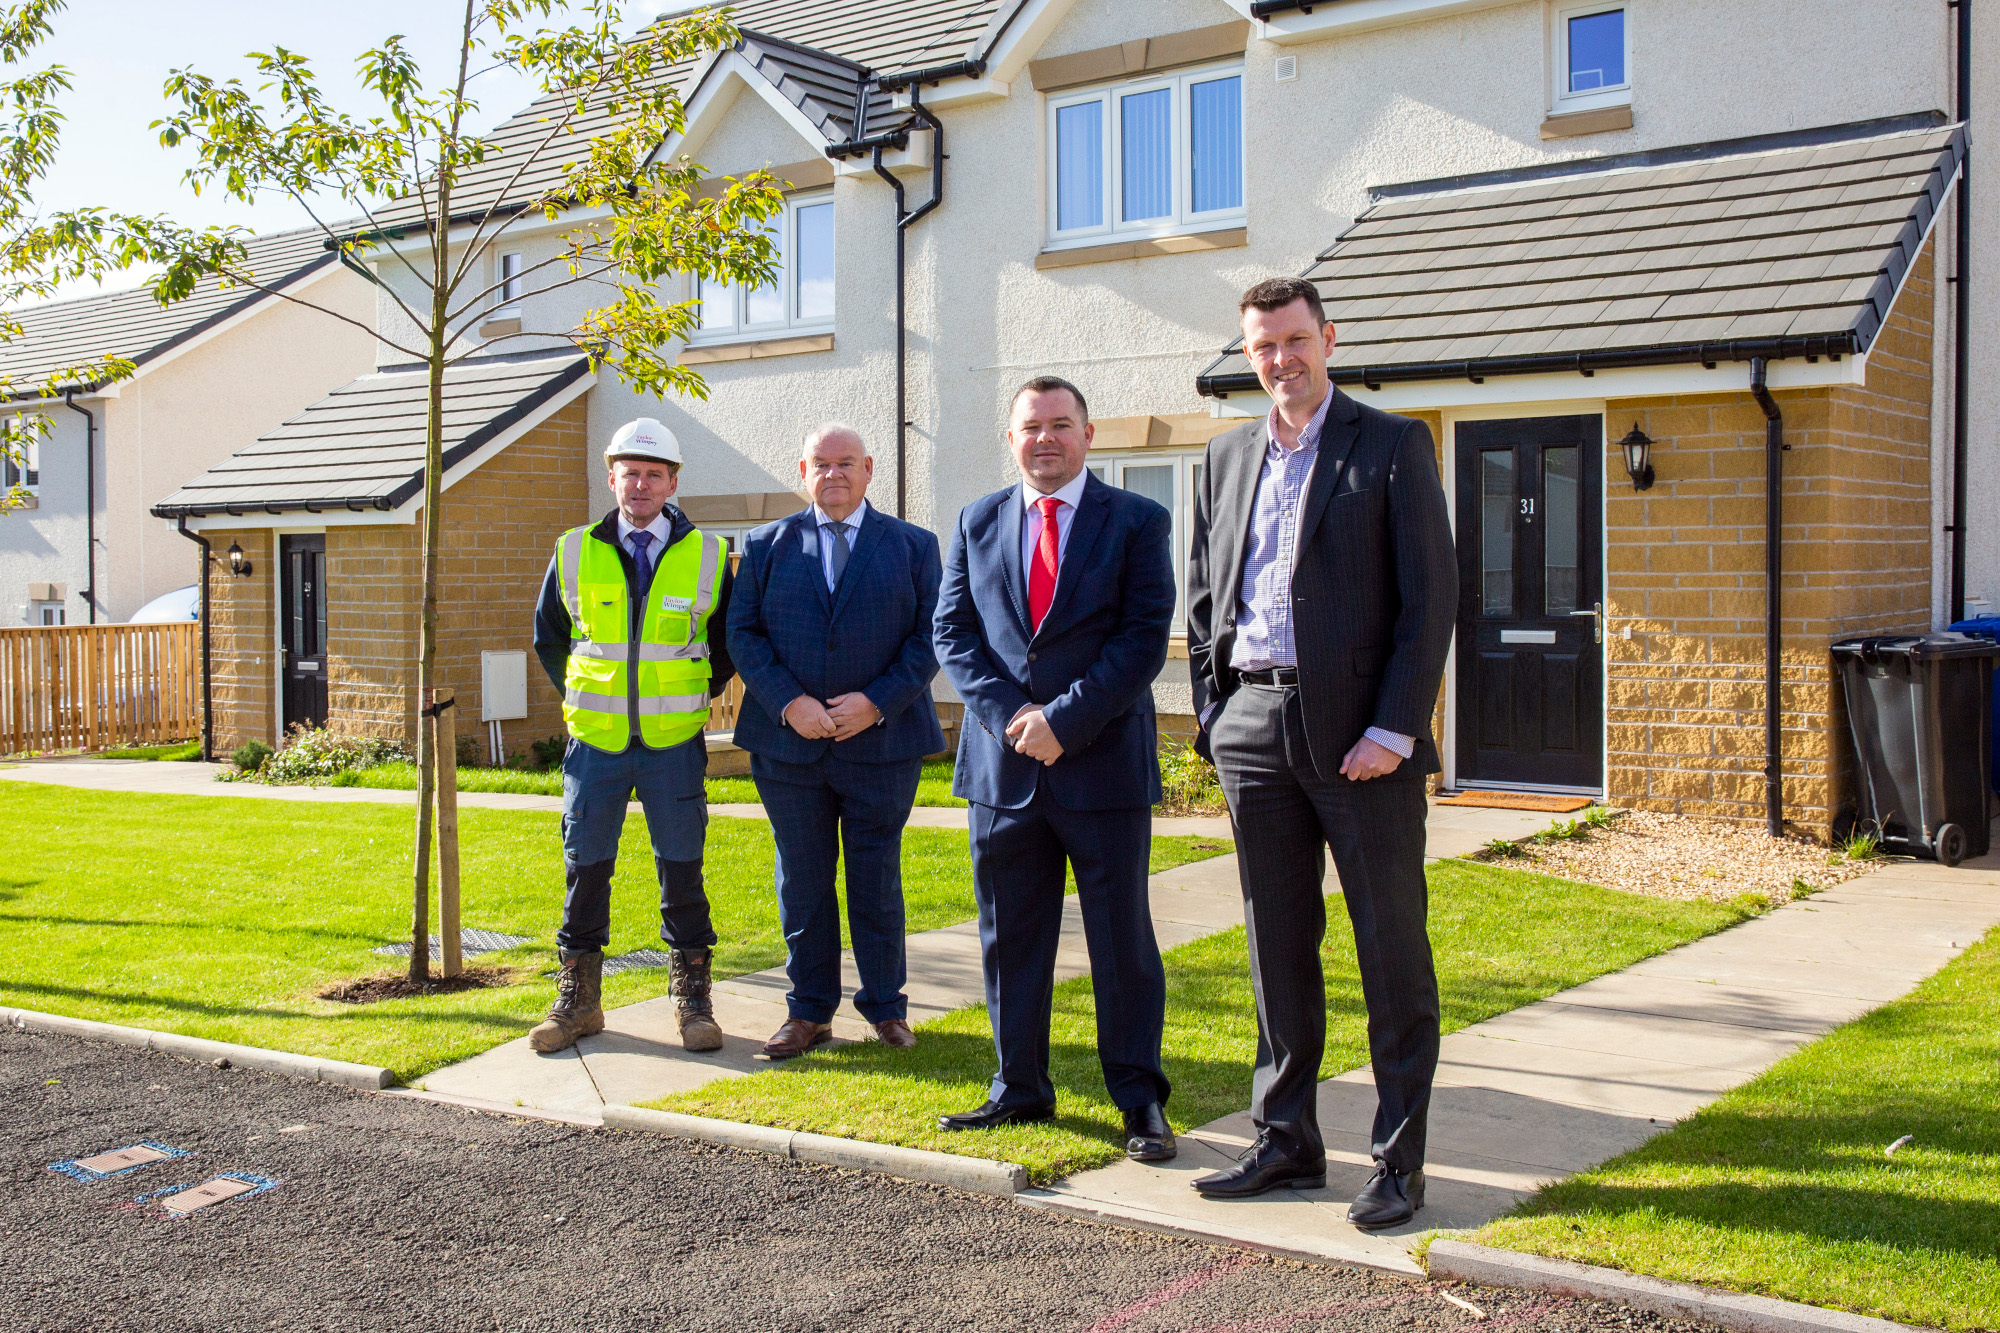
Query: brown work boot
{"type": "Point", "coordinates": [895, 1032]}
{"type": "Point", "coordinates": [579, 1007]}
{"type": "Point", "coordinates": [794, 1037]}
{"type": "Point", "coordinates": [692, 1007]}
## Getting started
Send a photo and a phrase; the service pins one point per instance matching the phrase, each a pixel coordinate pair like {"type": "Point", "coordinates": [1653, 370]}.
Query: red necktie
{"type": "Point", "coordinates": [1042, 577]}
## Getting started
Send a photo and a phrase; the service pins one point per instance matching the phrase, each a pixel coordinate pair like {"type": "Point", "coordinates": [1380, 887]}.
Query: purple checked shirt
{"type": "Point", "coordinates": [1265, 635]}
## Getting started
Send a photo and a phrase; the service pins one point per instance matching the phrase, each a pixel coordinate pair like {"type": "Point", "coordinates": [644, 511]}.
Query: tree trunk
{"type": "Point", "coordinates": [420, 901]}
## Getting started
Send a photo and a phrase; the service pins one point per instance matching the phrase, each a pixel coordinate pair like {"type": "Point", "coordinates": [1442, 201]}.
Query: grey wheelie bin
{"type": "Point", "coordinates": [1919, 707]}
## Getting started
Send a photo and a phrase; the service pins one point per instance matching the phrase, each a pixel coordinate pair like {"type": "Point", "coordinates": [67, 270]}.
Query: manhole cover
{"type": "Point", "coordinates": [216, 1189]}
{"type": "Point", "coordinates": [471, 944]}
{"type": "Point", "coordinates": [638, 958]}
{"type": "Point", "coordinates": [116, 1162]}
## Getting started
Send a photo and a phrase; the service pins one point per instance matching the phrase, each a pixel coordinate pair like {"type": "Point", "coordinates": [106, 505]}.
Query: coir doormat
{"type": "Point", "coordinates": [1519, 800]}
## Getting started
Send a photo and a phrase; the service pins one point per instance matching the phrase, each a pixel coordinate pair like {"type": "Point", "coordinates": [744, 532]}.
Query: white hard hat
{"type": "Point", "coordinates": [644, 438]}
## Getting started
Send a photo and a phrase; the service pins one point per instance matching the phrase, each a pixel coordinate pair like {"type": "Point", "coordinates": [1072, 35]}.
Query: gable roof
{"type": "Point", "coordinates": [1791, 251]}
{"type": "Point", "coordinates": [362, 446]}
{"type": "Point", "coordinates": [800, 45]}
{"type": "Point", "coordinates": [131, 324]}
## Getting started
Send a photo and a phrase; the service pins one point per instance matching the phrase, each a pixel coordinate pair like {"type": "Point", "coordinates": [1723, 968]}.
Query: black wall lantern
{"type": "Point", "coordinates": [1638, 459]}
{"type": "Point", "coordinates": [239, 566]}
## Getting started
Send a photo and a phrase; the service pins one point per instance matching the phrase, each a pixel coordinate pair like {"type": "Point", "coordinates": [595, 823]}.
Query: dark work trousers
{"type": "Point", "coordinates": [818, 811]}
{"type": "Point", "coordinates": [1285, 819]}
{"type": "Point", "coordinates": [1018, 859]}
{"type": "Point", "coordinates": [597, 788]}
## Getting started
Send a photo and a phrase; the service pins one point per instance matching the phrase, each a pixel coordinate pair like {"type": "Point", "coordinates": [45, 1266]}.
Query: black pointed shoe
{"type": "Point", "coordinates": [993, 1115]}
{"type": "Point", "coordinates": [1148, 1136]}
{"type": "Point", "coordinates": [1389, 1199]}
{"type": "Point", "coordinates": [1262, 1169]}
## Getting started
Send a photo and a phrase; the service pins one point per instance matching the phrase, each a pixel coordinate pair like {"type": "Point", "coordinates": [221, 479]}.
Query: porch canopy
{"type": "Point", "coordinates": [361, 447]}
{"type": "Point", "coordinates": [1791, 245]}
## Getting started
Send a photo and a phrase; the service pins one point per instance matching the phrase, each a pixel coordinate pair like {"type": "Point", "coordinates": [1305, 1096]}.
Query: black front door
{"type": "Point", "coordinates": [302, 573]}
{"type": "Point", "coordinates": [1531, 588]}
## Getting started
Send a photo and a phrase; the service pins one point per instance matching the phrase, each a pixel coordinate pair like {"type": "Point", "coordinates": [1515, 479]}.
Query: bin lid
{"type": "Point", "coordinates": [1986, 627]}
{"type": "Point", "coordinates": [1916, 647]}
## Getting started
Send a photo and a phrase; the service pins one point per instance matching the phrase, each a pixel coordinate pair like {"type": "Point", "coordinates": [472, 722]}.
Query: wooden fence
{"type": "Point", "coordinates": [97, 687]}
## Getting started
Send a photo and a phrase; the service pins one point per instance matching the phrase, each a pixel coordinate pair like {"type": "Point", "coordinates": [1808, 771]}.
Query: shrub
{"type": "Point", "coordinates": [549, 753]}
{"type": "Point", "coordinates": [312, 756]}
{"type": "Point", "coordinates": [250, 756]}
{"type": "Point", "coordinates": [1188, 783]}
{"type": "Point", "coordinates": [470, 751]}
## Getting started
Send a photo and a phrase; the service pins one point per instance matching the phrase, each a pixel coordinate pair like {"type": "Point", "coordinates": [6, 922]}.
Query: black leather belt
{"type": "Point", "coordinates": [1270, 676]}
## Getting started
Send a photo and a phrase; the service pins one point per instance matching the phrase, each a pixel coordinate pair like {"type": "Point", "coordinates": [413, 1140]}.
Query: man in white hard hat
{"type": "Point", "coordinates": [623, 629]}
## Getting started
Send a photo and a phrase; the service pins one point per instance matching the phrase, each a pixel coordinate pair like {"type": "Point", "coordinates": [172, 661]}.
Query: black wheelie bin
{"type": "Point", "coordinates": [1920, 710]}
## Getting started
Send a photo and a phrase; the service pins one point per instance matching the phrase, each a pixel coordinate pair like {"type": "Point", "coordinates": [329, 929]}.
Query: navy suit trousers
{"type": "Point", "coordinates": [1018, 859]}
{"type": "Point", "coordinates": [818, 811]}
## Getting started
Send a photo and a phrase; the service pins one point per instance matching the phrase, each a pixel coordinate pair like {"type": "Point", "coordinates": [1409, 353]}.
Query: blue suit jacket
{"type": "Point", "coordinates": [1090, 666]}
{"type": "Point", "coordinates": [789, 636]}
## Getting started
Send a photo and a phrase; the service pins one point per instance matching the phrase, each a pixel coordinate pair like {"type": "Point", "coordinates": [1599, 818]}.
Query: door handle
{"type": "Point", "coordinates": [1595, 613]}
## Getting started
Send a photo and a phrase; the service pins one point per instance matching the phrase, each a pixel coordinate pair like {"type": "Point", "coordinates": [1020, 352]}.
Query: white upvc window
{"type": "Point", "coordinates": [1148, 157]}
{"type": "Point", "coordinates": [509, 278]}
{"type": "Point", "coordinates": [802, 297]}
{"type": "Point", "coordinates": [1170, 480]}
{"type": "Point", "coordinates": [25, 472]}
{"type": "Point", "coordinates": [1591, 49]}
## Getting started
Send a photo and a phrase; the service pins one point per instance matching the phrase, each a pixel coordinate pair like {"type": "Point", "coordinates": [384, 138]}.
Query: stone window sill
{"type": "Point", "coordinates": [25, 502]}
{"type": "Point", "coordinates": [1569, 124]}
{"type": "Point", "coordinates": [710, 354]}
{"type": "Point", "coordinates": [500, 326]}
{"type": "Point", "coordinates": [1228, 239]}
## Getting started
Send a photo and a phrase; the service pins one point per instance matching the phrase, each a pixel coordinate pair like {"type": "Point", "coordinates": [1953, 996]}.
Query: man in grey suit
{"type": "Point", "coordinates": [1322, 594]}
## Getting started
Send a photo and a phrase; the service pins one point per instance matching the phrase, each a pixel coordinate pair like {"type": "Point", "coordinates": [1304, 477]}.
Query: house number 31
{"type": "Point", "coordinates": [1528, 510]}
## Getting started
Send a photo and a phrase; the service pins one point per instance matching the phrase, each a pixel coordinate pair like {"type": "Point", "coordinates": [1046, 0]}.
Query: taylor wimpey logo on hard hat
{"type": "Point", "coordinates": [644, 438]}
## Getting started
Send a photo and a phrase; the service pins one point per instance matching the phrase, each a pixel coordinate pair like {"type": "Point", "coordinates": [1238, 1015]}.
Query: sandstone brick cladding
{"type": "Point", "coordinates": [499, 525]}
{"type": "Point", "coordinates": [1685, 578]}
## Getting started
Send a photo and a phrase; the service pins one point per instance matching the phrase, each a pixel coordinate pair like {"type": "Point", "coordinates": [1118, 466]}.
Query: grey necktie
{"type": "Point", "coordinates": [837, 553]}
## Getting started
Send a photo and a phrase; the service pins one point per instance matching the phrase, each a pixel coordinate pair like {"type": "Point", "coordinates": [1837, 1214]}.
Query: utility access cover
{"type": "Point", "coordinates": [471, 944]}
{"type": "Point", "coordinates": [638, 958]}
{"type": "Point", "coordinates": [216, 1189]}
{"type": "Point", "coordinates": [117, 1161]}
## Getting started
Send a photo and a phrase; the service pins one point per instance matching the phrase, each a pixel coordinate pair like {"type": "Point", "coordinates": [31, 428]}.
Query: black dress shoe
{"type": "Point", "coordinates": [1265, 1167]}
{"type": "Point", "coordinates": [993, 1115]}
{"type": "Point", "coordinates": [1389, 1199]}
{"type": "Point", "coordinates": [1148, 1136]}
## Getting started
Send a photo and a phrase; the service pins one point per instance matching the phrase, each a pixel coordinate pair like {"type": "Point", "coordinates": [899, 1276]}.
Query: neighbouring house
{"type": "Point", "coordinates": [212, 373]}
{"type": "Point", "coordinates": [1564, 233]}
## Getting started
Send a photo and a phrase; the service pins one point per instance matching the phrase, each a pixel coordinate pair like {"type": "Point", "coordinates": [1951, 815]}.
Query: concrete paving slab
{"type": "Point", "coordinates": [1876, 984]}
{"type": "Point", "coordinates": [1710, 1002]}
{"type": "Point", "coordinates": [513, 1075]}
{"type": "Point", "coordinates": [1624, 1084]}
{"type": "Point", "coordinates": [1679, 1040]}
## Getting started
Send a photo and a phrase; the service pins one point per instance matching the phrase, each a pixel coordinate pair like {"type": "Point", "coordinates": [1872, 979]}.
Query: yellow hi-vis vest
{"type": "Point", "coordinates": [671, 656]}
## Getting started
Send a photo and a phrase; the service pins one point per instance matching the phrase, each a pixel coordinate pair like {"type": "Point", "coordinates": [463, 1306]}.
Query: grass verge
{"type": "Point", "coordinates": [933, 789]}
{"type": "Point", "coordinates": [222, 918]}
{"type": "Point", "coordinates": [178, 751]}
{"type": "Point", "coordinates": [1502, 938]}
{"type": "Point", "coordinates": [1784, 1188]}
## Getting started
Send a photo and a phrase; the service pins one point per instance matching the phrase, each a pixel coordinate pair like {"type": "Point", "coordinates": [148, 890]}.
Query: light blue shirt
{"type": "Point", "coordinates": [853, 522]}
{"type": "Point", "coordinates": [1266, 636]}
{"type": "Point", "coordinates": [660, 529]}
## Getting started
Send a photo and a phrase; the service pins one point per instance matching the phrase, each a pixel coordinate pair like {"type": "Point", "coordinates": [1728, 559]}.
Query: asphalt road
{"type": "Point", "coordinates": [393, 1213]}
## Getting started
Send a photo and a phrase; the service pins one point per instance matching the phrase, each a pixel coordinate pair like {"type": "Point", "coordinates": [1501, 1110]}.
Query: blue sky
{"type": "Point", "coordinates": [119, 53]}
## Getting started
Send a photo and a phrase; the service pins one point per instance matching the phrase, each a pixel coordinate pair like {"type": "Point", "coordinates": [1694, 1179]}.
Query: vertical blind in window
{"type": "Point", "coordinates": [1215, 144]}
{"type": "Point", "coordinates": [1146, 164]}
{"type": "Point", "coordinates": [1080, 166]}
{"type": "Point", "coordinates": [1148, 154]}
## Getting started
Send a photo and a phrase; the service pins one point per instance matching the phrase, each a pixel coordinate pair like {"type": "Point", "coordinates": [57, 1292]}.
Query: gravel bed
{"type": "Point", "coordinates": [1668, 856]}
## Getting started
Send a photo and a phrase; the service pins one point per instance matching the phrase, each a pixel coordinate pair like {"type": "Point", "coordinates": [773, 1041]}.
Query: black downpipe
{"type": "Point", "coordinates": [89, 503]}
{"type": "Point", "coordinates": [1774, 595]}
{"type": "Point", "coordinates": [207, 663]}
{"type": "Point", "coordinates": [905, 218]}
{"type": "Point", "coordinates": [1961, 319]}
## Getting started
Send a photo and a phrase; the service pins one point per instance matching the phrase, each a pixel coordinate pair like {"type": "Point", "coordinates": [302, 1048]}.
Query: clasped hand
{"type": "Point", "coordinates": [1033, 737]}
{"type": "Point", "coordinates": [838, 718]}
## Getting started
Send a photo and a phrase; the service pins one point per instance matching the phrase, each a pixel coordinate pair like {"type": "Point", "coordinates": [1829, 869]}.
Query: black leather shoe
{"type": "Point", "coordinates": [1389, 1199]}
{"type": "Point", "coordinates": [1148, 1136]}
{"type": "Point", "coordinates": [993, 1115]}
{"type": "Point", "coordinates": [1260, 1170]}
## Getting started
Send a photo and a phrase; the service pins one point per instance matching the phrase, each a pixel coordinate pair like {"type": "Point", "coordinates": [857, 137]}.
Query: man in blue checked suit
{"type": "Point", "coordinates": [1052, 622]}
{"type": "Point", "coordinates": [829, 628]}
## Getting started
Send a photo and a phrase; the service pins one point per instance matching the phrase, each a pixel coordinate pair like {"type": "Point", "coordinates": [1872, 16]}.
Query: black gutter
{"type": "Point", "coordinates": [89, 502]}
{"type": "Point", "coordinates": [1961, 321]}
{"type": "Point", "coordinates": [1774, 596]}
{"type": "Point", "coordinates": [1263, 9]}
{"type": "Point", "coordinates": [1832, 346]}
{"type": "Point", "coordinates": [957, 69]}
{"type": "Point", "coordinates": [207, 661]}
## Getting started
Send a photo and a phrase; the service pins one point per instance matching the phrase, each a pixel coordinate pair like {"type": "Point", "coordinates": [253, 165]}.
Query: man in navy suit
{"type": "Point", "coordinates": [830, 630]}
{"type": "Point", "coordinates": [1052, 622]}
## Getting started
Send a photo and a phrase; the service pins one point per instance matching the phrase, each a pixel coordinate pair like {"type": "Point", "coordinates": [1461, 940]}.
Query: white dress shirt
{"type": "Point", "coordinates": [1031, 525]}
{"type": "Point", "coordinates": [659, 527]}
{"type": "Point", "coordinates": [853, 522]}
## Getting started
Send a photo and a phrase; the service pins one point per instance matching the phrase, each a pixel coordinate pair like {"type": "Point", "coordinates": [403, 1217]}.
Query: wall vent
{"type": "Point", "coordinates": [1288, 68]}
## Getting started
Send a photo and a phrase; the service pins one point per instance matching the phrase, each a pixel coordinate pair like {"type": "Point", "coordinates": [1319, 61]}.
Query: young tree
{"type": "Point", "coordinates": [430, 199]}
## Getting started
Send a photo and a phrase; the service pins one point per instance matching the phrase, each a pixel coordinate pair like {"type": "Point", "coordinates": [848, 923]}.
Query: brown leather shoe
{"type": "Point", "coordinates": [794, 1038]}
{"type": "Point", "coordinates": [895, 1032]}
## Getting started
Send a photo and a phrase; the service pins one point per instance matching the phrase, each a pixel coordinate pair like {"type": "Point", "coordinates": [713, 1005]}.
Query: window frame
{"type": "Point", "coordinates": [740, 330]}
{"type": "Point", "coordinates": [28, 469]}
{"type": "Point", "coordinates": [1562, 100]}
{"type": "Point", "coordinates": [1181, 220]}
{"type": "Point", "coordinates": [509, 288]}
{"type": "Point", "coordinates": [1109, 465]}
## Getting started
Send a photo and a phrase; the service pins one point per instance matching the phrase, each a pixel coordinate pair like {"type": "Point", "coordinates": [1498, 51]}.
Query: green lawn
{"type": "Point", "coordinates": [934, 788]}
{"type": "Point", "coordinates": [1783, 1187]}
{"type": "Point", "coordinates": [220, 917]}
{"type": "Point", "coordinates": [1503, 938]}
{"type": "Point", "coordinates": [177, 751]}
